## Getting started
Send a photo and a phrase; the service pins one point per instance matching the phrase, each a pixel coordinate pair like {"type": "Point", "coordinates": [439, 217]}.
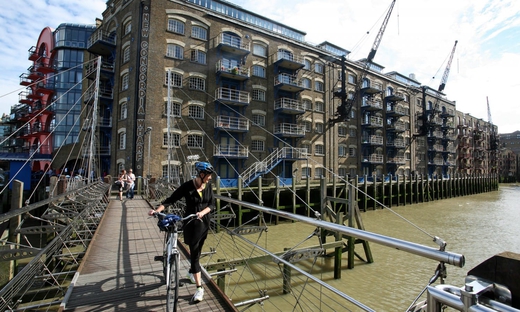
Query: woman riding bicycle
{"type": "Point", "coordinates": [198, 194]}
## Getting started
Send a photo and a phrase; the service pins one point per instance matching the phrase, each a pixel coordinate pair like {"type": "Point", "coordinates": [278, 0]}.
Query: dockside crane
{"type": "Point", "coordinates": [343, 110]}
{"type": "Point", "coordinates": [428, 118]}
{"type": "Point", "coordinates": [493, 136]}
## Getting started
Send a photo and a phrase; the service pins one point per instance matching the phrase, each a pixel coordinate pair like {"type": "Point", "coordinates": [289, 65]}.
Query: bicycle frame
{"type": "Point", "coordinates": [171, 259]}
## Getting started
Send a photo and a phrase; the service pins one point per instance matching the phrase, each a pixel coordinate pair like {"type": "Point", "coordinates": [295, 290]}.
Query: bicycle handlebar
{"type": "Point", "coordinates": [190, 216]}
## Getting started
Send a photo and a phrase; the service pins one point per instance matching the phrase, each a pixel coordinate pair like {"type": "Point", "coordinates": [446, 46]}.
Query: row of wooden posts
{"type": "Point", "coordinates": [372, 193]}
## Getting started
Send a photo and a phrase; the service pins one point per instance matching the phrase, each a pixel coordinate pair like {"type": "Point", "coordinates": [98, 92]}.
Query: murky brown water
{"type": "Point", "coordinates": [477, 226]}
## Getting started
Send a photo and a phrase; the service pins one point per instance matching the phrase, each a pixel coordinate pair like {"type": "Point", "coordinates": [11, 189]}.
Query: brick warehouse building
{"type": "Point", "coordinates": [251, 96]}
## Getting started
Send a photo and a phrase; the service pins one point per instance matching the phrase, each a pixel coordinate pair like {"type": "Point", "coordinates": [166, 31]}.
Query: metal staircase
{"type": "Point", "coordinates": [266, 165]}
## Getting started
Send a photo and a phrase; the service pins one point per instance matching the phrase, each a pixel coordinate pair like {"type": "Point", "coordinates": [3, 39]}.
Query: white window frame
{"type": "Point", "coordinates": [176, 26]}
{"type": "Point", "coordinates": [196, 111]}
{"type": "Point", "coordinates": [175, 51]}
{"type": "Point", "coordinates": [195, 141]}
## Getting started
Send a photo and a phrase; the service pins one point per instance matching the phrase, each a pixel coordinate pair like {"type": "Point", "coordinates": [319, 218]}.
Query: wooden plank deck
{"type": "Point", "coordinates": [118, 272]}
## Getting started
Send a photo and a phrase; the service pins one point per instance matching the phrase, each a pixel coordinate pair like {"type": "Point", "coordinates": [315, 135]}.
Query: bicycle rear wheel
{"type": "Point", "coordinates": [172, 292]}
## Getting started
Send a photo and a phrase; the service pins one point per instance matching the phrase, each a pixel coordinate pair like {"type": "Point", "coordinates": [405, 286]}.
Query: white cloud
{"type": "Point", "coordinates": [418, 39]}
{"type": "Point", "coordinates": [22, 22]}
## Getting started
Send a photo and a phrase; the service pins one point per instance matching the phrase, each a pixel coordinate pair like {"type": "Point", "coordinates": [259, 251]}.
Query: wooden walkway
{"type": "Point", "coordinates": [118, 272]}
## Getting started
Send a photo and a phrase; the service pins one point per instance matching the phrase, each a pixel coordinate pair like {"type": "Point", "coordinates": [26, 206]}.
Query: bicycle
{"type": "Point", "coordinates": [169, 223]}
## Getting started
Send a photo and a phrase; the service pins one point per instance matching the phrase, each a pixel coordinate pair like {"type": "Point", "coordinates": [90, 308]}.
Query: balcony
{"type": "Point", "coordinates": [396, 111]}
{"type": "Point", "coordinates": [289, 106]}
{"type": "Point", "coordinates": [43, 65]}
{"type": "Point", "coordinates": [397, 160]}
{"type": "Point", "coordinates": [396, 126]}
{"type": "Point", "coordinates": [33, 53]}
{"type": "Point", "coordinates": [372, 122]}
{"type": "Point", "coordinates": [105, 122]}
{"type": "Point", "coordinates": [447, 112]}
{"type": "Point", "coordinates": [436, 162]}
{"type": "Point", "coordinates": [373, 140]}
{"type": "Point", "coordinates": [448, 125]}
{"type": "Point", "coordinates": [106, 71]}
{"type": "Point", "coordinates": [288, 82]}
{"type": "Point", "coordinates": [232, 96]}
{"type": "Point", "coordinates": [226, 68]}
{"type": "Point", "coordinates": [234, 45]}
{"type": "Point", "coordinates": [289, 130]}
{"type": "Point", "coordinates": [394, 97]}
{"type": "Point", "coordinates": [396, 143]}
{"type": "Point", "coordinates": [25, 80]}
{"type": "Point", "coordinates": [373, 158]}
{"type": "Point", "coordinates": [371, 105]}
{"type": "Point", "coordinates": [289, 60]}
{"type": "Point", "coordinates": [232, 124]}
{"type": "Point", "coordinates": [33, 74]}
{"type": "Point", "coordinates": [371, 88]}
{"type": "Point", "coordinates": [101, 43]}
{"type": "Point", "coordinates": [46, 87]}
{"type": "Point", "coordinates": [104, 94]}
{"type": "Point", "coordinates": [230, 151]}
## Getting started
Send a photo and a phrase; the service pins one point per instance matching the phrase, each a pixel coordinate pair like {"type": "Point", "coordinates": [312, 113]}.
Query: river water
{"type": "Point", "coordinates": [477, 226]}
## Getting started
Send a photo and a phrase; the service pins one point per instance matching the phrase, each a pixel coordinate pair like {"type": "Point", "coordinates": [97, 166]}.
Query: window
{"type": "Point", "coordinates": [319, 68]}
{"type": "Point", "coordinates": [175, 51]}
{"type": "Point", "coordinates": [258, 95]}
{"type": "Point", "coordinates": [257, 145]}
{"type": "Point", "coordinates": [196, 111]}
{"type": "Point", "coordinates": [319, 127]}
{"type": "Point", "coordinates": [352, 114]}
{"type": "Point", "coordinates": [259, 49]}
{"type": "Point", "coordinates": [259, 120]}
{"type": "Point", "coordinates": [306, 83]}
{"type": "Point", "coordinates": [122, 140]}
{"type": "Point", "coordinates": [318, 86]}
{"type": "Point", "coordinates": [175, 139]}
{"type": "Point", "coordinates": [308, 126]}
{"type": "Point", "coordinates": [342, 151]}
{"type": "Point", "coordinates": [175, 109]}
{"type": "Point", "coordinates": [320, 150]}
{"type": "Point", "coordinates": [176, 79]}
{"type": "Point", "coordinates": [342, 131]}
{"type": "Point", "coordinates": [258, 71]}
{"type": "Point", "coordinates": [195, 141]}
{"type": "Point", "coordinates": [123, 111]}
{"type": "Point", "coordinates": [307, 104]}
{"type": "Point", "coordinates": [127, 27]}
{"type": "Point", "coordinates": [198, 56]}
{"type": "Point", "coordinates": [199, 32]}
{"type": "Point", "coordinates": [176, 26]}
{"type": "Point", "coordinates": [197, 83]}
{"type": "Point", "coordinates": [318, 173]}
{"type": "Point", "coordinates": [125, 81]}
{"type": "Point", "coordinates": [306, 172]}
{"type": "Point", "coordinates": [126, 54]}
{"type": "Point", "coordinates": [307, 147]}
{"type": "Point", "coordinates": [342, 172]}
{"type": "Point", "coordinates": [352, 133]}
{"type": "Point", "coordinates": [307, 64]}
{"type": "Point", "coordinates": [352, 152]}
{"type": "Point", "coordinates": [320, 106]}
{"type": "Point", "coordinates": [351, 79]}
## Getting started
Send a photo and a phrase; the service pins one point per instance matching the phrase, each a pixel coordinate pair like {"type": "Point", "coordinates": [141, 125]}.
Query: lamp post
{"type": "Point", "coordinates": [149, 132]}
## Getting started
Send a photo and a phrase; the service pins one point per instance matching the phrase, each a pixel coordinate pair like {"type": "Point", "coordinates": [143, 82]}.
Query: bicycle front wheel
{"type": "Point", "coordinates": [172, 293]}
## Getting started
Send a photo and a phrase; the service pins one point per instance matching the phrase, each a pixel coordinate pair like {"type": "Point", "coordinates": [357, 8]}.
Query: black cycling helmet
{"type": "Point", "coordinates": [204, 167]}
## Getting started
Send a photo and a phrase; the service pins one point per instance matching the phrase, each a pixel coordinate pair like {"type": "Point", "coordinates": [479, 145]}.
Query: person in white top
{"type": "Point", "coordinates": [131, 184]}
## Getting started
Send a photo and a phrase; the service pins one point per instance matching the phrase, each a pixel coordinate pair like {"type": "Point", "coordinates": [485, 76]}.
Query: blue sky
{"type": "Point", "coordinates": [418, 39]}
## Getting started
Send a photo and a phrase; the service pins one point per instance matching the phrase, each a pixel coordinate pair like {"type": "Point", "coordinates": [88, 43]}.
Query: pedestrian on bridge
{"type": "Point", "coordinates": [198, 194]}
